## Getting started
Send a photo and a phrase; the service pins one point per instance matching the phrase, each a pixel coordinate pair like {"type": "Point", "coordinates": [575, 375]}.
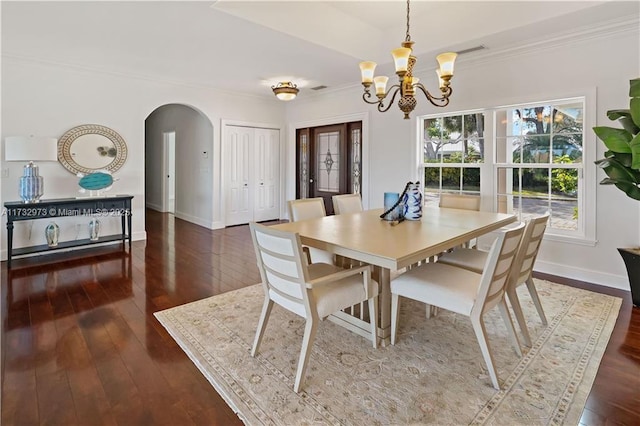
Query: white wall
{"type": "Point", "coordinates": [194, 161]}
{"type": "Point", "coordinates": [558, 69]}
{"type": "Point", "coordinates": [47, 100]}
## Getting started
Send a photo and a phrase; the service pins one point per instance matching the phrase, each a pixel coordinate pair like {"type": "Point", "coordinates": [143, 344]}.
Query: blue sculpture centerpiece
{"type": "Point", "coordinates": [95, 183]}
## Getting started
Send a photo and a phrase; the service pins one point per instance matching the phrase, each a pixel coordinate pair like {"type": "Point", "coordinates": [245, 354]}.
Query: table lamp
{"type": "Point", "coordinates": [31, 149]}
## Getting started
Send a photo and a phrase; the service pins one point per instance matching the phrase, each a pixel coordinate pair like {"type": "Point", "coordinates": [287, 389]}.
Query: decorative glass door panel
{"type": "Point", "coordinates": [328, 162]}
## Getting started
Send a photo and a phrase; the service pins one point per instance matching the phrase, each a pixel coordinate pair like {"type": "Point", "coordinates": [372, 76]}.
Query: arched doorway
{"type": "Point", "coordinates": [179, 163]}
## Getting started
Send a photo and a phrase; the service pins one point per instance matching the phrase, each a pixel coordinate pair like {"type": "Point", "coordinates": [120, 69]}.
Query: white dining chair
{"type": "Point", "coordinates": [346, 203]}
{"type": "Point", "coordinates": [459, 201]}
{"type": "Point", "coordinates": [521, 272]}
{"type": "Point", "coordinates": [310, 208]}
{"type": "Point", "coordinates": [464, 292]}
{"type": "Point", "coordinates": [455, 201]}
{"type": "Point", "coordinates": [312, 291]}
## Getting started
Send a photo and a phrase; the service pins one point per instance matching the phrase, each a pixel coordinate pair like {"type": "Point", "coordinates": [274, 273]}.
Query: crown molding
{"type": "Point", "coordinates": [583, 34]}
{"type": "Point", "coordinates": [128, 75]}
{"type": "Point", "coordinates": [579, 35]}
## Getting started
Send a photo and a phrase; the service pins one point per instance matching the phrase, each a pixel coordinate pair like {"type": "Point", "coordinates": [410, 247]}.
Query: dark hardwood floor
{"type": "Point", "coordinates": [80, 344]}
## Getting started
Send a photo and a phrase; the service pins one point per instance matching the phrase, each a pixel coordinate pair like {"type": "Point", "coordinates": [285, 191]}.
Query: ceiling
{"type": "Point", "coordinates": [249, 46]}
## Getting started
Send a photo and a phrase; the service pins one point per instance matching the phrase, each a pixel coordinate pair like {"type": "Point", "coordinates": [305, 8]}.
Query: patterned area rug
{"type": "Point", "coordinates": [434, 374]}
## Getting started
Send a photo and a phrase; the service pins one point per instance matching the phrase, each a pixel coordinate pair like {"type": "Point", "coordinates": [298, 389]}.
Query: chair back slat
{"type": "Point", "coordinates": [528, 250]}
{"type": "Point", "coordinates": [308, 208]}
{"type": "Point", "coordinates": [347, 203]}
{"type": "Point", "coordinates": [460, 201]}
{"type": "Point", "coordinates": [497, 267]}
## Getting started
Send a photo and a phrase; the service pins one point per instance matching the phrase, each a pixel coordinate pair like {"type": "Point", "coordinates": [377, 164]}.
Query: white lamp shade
{"type": "Point", "coordinates": [381, 84]}
{"type": "Point", "coordinates": [286, 96]}
{"type": "Point", "coordinates": [367, 68]}
{"type": "Point", "coordinates": [30, 148]}
{"type": "Point", "coordinates": [446, 61]}
{"type": "Point", "coordinates": [401, 58]}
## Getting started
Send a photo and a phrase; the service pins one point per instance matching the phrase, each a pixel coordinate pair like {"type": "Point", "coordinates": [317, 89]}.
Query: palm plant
{"type": "Point", "coordinates": [621, 161]}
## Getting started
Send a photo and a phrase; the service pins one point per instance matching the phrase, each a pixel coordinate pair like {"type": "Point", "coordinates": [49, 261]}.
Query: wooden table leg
{"type": "Point", "coordinates": [383, 276]}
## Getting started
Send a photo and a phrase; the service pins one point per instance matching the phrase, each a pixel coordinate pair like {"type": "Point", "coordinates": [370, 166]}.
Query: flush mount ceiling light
{"type": "Point", "coordinates": [285, 90]}
{"type": "Point", "coordinates": [405, 62]}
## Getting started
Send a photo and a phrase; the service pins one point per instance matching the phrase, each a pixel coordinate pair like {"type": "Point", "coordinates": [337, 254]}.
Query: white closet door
{"type": "Point", "coordinates": [239, 180]}
{"type": "Point", "coordinates": [267, 174]}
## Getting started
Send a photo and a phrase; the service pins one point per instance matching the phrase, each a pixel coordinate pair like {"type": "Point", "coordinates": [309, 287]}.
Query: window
{"type": "Point", "coordinates": [526, 159]}
{"type": "Point", "coordinates": [453, 151]}
{"type": "Point", "coordinates": [539, 162]}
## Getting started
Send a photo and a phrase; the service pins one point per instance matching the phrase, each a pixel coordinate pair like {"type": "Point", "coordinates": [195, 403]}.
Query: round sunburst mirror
{"type": "Point", "coordinates": [90, 147]}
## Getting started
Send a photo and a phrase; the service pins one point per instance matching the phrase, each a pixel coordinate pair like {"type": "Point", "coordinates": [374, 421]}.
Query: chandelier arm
{"type": "Point", "coordinates": [435, 100]}
{"type": "Point", "coordinates": [367, 95]}
{"type": "Point", "coordinates": [381, 106]}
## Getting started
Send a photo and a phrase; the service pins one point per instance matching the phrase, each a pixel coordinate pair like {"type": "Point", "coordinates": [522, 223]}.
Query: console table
{"type": "Point", "coordinates": [64, 207]}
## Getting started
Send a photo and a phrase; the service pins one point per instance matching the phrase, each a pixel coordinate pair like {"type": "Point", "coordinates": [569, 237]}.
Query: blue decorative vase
{"type": "Point", "coordinates": [412, 202]}
{"type": "Point", "coordinates": [31, 184]}
{"type": "Point", "coordinates": [94, 229]}
{"type": "Point", "coordinates": [390, 199]}
{"type": "Point", "coordinates": [52, 232]}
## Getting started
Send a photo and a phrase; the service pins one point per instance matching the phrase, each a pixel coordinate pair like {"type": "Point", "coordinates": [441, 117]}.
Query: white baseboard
{"type": "Point", "coordinates": [140, 235]}
{"type": "Point", "coordinates": [188, 218]}
{"type": "Point", "coordinates": [154, 207]}
{"type": "Point", "coordinates": [194, 219]}
{"type": "Point", "coordinates": [594, 277]}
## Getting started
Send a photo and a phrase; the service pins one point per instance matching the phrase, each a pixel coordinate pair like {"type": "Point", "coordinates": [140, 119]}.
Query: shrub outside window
{"type": "Point", "coordinates": [453, 150]}
{"type": "Point", "coordinates": [538, 164]}
{"type": "Point", "coordinates": [526, 159]}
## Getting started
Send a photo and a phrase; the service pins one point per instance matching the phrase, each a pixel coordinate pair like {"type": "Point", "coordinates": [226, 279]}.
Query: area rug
{"type": "Point", "coordinates": [434, 374]}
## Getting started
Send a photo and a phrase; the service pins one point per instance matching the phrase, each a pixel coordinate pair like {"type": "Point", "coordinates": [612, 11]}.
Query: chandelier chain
{"type": "Point", "coordinates": [408, 37]}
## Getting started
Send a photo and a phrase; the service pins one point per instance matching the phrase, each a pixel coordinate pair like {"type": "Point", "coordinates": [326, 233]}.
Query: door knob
{"type": "Point", "coordinates": [261, 183]}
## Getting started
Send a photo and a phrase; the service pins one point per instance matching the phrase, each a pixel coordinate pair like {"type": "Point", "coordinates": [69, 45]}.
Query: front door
{"type": "Point", "coordinates": [329, 152]}
{"type": "Point", "coordinates": [328, 161]}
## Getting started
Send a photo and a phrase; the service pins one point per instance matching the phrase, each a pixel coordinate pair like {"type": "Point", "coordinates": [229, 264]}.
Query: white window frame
{"type": "Point", "coordinates": [585, 235]}
{"type": "Point", "coordinates": [484, 166]}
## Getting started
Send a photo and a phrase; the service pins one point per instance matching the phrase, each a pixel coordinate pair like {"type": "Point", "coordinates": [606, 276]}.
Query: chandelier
{"type": "Point", "coordinates": [285, 91]}
{"type": "Point", "coordinates": [404, 62]}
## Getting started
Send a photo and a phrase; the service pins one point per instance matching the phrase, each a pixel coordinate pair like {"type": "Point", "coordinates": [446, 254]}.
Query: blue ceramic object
{"type": "Point", "coordinates": [94, 229]}
{"type": "Point", "coordinates": [96, 181]}
{"type": "Point", "coordinates": [412, 202]}
{"type": "Point", "coordinates": [391, 198]}
{"type": "Point", "coordinates": [52, 232]}
{"type": "Point", "coordinates": [31, 184]}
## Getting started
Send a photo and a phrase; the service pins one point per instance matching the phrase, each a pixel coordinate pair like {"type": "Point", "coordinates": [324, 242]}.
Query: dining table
{"type": "Point", "coordinates": [392, 246]}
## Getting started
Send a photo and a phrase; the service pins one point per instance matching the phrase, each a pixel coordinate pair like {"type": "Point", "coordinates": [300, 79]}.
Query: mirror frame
{"type": "Point", "coordinates": [70, 136]}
